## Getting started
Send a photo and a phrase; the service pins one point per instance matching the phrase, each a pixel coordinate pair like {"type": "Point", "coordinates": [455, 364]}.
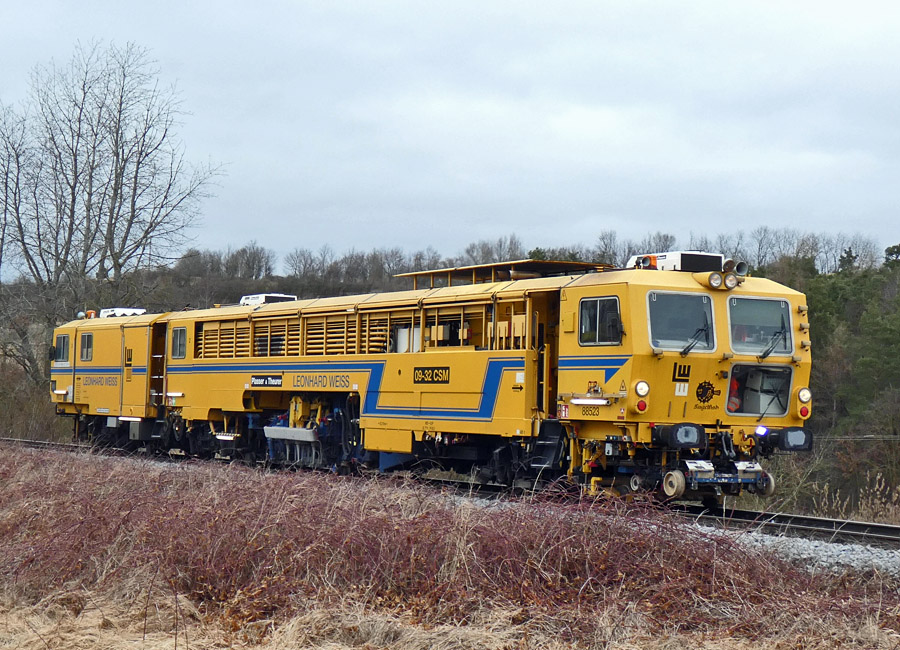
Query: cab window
{"type": "Point", "coordinates": [179, 342]}
{"type": "Point", "coordinates": [62, 347]}
{"type": "Point", "coordinates": [599, 322]}
{"type": "Point", "coordinates": [760, 326]}
{"type": "Point", "coordinates": [681, 321]}
{"type": "Point", "coordinates": [87, 346]}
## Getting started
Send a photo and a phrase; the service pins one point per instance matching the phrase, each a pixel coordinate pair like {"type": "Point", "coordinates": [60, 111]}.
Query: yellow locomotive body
{"type": "Point", "coordinates": [625, 379]}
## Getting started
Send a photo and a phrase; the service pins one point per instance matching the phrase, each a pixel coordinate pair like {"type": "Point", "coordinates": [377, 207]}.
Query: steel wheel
{"type": "Point", "coordinates": [635, 483]}
{"type": "Point", "coordinates": [769, 488]}
{"type": "Point", "coordinates": [673, 484]}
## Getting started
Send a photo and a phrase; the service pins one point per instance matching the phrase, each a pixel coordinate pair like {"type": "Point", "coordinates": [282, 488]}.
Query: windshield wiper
{"type": "Point", "coordinates": [703, 330]}
{"type": "Point", "coordinates": [777, 396]}
{"type": "Point", "coordinates": [780, 334]}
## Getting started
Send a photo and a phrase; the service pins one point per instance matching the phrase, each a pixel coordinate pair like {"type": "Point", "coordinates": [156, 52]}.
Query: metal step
{"type": "Point", "coordinates": [547, 450]}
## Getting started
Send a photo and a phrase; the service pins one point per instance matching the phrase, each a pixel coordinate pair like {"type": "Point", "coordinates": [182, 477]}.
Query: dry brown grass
{"type": "Point", "coordinates": [104, 625]}
{"type": "Point", "coordinates": [25, 411]}
{"type": "Point", "coordinates": [310, 560]}
{"type": "Point", "coordinates": [876, 501]}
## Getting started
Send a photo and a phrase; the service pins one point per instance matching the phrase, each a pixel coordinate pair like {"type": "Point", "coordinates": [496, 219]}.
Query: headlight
{"type": "Point", "coordinates": [731, 281]}
{"type": "Point", "coordinates": [804, 395]}
{"type": "Point", "coordinates": [715, 280]}
{"type": "Point", "coordinates": [794, 439]}
{"type": "Point", "coordinates": [681, 436]}
{"type": "Point", "coordinates": [642, 388]}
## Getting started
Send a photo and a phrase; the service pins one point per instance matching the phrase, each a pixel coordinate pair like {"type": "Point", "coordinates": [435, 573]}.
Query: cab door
{"type": "Point", "coordinates": [135, 369]}
{"type": "Point", "coordinates": [545, 324]}
{"type": "Point", "coordinates": [62, 366]}
{"type": "Point", "coordinates": [157, 367]}
{"type": "Point", "coordinates": [594, 341]}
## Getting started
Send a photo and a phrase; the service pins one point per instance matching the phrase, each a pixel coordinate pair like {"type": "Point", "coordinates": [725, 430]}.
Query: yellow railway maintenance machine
{"type": "Point", "coordinates": [678, 373]}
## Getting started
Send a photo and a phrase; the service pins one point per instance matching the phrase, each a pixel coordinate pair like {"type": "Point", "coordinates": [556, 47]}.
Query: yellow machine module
{"type": "Point", "coordinates": [678, 373]}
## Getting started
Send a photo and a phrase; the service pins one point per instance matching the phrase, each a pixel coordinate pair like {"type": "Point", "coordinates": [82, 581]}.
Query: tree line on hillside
{"type": "Point", "coordinates": [323, 272]}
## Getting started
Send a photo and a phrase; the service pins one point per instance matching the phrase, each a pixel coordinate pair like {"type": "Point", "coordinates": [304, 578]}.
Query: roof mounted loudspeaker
{"type": "Point", "coordinates": [641, 262]}
{"type": "Point", "coordinates": [738, 268]}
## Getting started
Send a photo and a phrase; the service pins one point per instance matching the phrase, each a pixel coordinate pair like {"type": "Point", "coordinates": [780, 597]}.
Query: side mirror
{"type": "Point", "coordinates": [52, 354]}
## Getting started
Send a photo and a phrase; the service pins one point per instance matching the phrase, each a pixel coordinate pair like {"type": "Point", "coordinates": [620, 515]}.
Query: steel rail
{"type": "Point", "coordinates": [73, 447]}
{"type": "Point", "coordinates": [48, 444]}
{"type": "Point", "coordinates": [835, 530]}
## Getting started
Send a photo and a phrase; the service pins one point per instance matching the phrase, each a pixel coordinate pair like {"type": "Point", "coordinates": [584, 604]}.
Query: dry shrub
{"type": "Point", "coordinates": [876, 501]}
{"type": "Point", "coordinates": [251, 548]}
{"type": "Point", "coordinates": [26, 410]}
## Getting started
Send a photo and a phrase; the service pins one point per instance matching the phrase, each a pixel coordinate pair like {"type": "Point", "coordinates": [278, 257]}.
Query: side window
{"type": "Point", "coordinates": [87, 346]}
{"type": "Point", "coordinates": [599, 322]}
{"type": "Point", "coordinates": [62, 347]}
{"type": "Point", "coordinates": [179, 342]}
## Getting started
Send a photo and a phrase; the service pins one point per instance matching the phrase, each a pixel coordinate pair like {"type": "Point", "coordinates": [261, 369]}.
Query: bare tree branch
{"type": "Point", "coordinates": [93, 181]}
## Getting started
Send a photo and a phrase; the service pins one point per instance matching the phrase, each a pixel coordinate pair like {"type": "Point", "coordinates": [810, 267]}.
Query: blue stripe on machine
{"type": "Point", "coordinates": [191, 368]}
{"type": "Point", "coordinates": [484, 411]}
{"type": "Point", "coordinates": [609, 365]}
{"type": "Point", "coordinates": [113, 370]}
{"type": "Point", "coordinates": [93, 370]}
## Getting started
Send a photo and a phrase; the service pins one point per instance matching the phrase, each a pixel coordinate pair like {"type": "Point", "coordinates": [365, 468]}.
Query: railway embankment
{"type": "Point", "coordinates": [107, 549]}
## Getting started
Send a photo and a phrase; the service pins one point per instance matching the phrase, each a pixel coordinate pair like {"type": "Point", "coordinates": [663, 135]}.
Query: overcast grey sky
{"type": "Point", "coordinates": [390, 123]}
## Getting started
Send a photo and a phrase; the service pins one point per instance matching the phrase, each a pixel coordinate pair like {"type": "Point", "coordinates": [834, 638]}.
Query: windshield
{"type": "Point", "coordinates": [681, 321]}
{"type": "Point", "coordinates": [759, 326]}
{"type": "Point", "coordinates": [759, 390]}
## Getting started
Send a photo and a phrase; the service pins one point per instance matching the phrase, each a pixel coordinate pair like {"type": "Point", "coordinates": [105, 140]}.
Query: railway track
{"type": "Point", "coordinates": [69, 447]}
{"type": "Point", "coordinates": [778, 523]}
{"type": "Point", "coordinates": [46, 444]}
{"type": "Point", "coordinates": [834, 530]}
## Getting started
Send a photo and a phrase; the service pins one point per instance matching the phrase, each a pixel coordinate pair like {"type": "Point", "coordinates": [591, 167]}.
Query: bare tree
{"type": "Point", "coordinates": [608, 250]}
{"type": "Point", "coordinates": [503, 249]}
{"type": "Point", "coordinates": [426, 260]}
{"type": "Point", "coordinates": [761, 246]}
{"type": "Point", "coordinates": [658, 242]}
{"type": "Point", "coordinates": [11, 145]}
{"type": "Point", "coordinates": [300, 262]}
{"type": "Point", "coordinates": [93, 185]}
{"type": "Point", "coordinates": [699, 242]}
{"type": "Point", "coordinates": [732, 245]}
{"type": "Point", "coordinates": [250, 262]}
{"type": "Point", "coordinates": [95, 182]}
{"type": "Point", "coordinates": [868, 254]}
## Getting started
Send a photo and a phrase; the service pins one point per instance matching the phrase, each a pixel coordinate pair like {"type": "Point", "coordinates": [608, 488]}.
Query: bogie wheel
{"type": "Point", "coordinates": [769, 489]}
{"type": "Point", "coordinates": [673, 484]}
{"type": "Point", "coordinates": [635, 483]}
